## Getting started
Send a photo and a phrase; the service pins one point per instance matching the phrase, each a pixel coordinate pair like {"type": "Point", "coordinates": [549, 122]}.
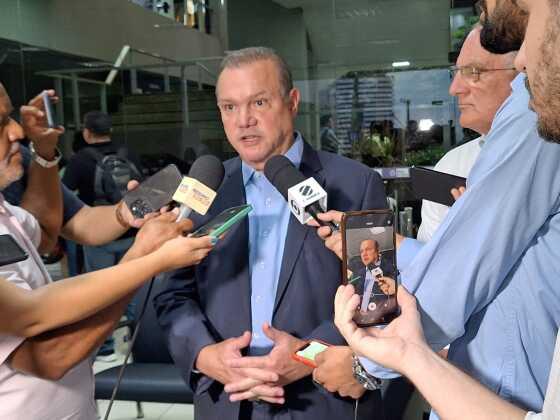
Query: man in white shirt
{"type": "Point", "coordinates": [481, 84]}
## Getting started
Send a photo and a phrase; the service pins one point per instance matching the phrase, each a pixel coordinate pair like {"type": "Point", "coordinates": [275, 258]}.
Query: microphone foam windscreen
{"type": "Point", "coordinates": [282, 173]}
{"type": "Point", "coordinates": [209, 170]}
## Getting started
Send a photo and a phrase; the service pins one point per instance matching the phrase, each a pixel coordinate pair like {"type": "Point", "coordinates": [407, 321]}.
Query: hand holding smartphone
{"type": "Point", "coordinates": [224, 221]}
{"type": "Point", "coordinates": [309, 351]}
{"type": "Point", "coordinates": [154, 193]}
{"type": "Point", "coordinates": [369, 264]}
{"type": "Point", "coordinates": [49, 110]}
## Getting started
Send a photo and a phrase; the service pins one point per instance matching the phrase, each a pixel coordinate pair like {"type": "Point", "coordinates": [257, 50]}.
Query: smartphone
{"type": "Point", "coordinates": [435, 186]}
{"type": "Point", "coordinates": [222, 222]}
{"type": "Point", "coordinates": [154, 193]}
{"type": "Point", "coordinates": [49, 110]}
{"type": "Point", "coordinates": [369, 263]}
{"type": "Point", "coordinates": [10, 251]}
{"type": "Point", "coordinates": [307, 353]}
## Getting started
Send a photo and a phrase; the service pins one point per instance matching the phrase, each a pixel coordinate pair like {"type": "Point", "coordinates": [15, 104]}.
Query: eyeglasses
{"type": "Point", "coordinates": [472, 74]}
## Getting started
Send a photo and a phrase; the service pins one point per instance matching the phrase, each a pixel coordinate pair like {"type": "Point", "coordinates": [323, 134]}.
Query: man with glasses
{"type": "Point", "coordinates": [481, 83]}
{"type": "Point", "coordinates": [487, 282]}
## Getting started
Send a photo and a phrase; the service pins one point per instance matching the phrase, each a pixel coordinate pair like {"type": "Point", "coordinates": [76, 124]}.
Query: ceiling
{"type": "Point", "coordinates": [360, 34]}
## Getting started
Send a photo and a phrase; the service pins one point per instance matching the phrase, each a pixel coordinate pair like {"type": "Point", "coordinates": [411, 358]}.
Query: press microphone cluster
{"type": "Point", "coordinates": [305, 197]}
{"type": "Point", "coordinates": [198, 189]}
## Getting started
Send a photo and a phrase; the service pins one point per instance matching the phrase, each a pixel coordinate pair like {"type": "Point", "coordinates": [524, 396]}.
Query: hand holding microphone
{"type": "Point", "coordinates": [306, 198]}
{"type": "Point", "coordinates": [198, 190]}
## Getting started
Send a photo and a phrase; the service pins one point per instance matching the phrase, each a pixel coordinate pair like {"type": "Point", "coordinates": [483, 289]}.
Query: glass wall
{"type": "Point", "coordinates": [373, 74]}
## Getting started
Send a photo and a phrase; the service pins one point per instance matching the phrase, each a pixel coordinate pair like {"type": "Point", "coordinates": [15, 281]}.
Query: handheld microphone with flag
{"type": "Point", "coordinates": [305, 196]}
{"type": "Point", "coordinates": [198, 189]}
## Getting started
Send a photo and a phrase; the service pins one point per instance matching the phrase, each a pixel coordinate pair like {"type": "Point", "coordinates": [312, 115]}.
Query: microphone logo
{"type": "Point", "coordinates": [295, 207]}
{"type": "Point", "coordinates": [306, 190]}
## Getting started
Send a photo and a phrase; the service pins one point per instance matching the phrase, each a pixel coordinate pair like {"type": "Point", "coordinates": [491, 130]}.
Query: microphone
{"type": "Point", "coordinates": [305, 196]}
{"type": "Point", "coordinates": [198, 189]}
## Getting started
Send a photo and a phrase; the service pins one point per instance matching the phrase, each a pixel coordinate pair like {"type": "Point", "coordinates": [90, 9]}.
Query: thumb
{"type": "Point", "coordinates": [271, 332]}
{"type": "Point", "coordinates": [242, 341]}
{"type": "Point", "coordinates": [132, 184]}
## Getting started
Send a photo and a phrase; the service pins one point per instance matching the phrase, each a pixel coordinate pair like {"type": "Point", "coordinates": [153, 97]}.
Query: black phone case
{"type": "Point", "coordinates": [10, 251]}
{"type": "Point", "coordinates": [344, 226]}
{"type": "Point", "coordinates": [154, 193]}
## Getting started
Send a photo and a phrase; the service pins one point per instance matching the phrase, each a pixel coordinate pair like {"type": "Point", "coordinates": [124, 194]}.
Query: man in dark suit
{"type": "Point", "coordinates": [373, 279]}
{"type": "Point", "coordinates": [233, 323]}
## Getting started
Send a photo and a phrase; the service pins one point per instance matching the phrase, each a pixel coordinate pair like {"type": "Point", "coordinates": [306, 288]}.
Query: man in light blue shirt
{"type": "Point", "coordinates": [268, 227]}
{"type": "Point", "coordinates": [487, 281]}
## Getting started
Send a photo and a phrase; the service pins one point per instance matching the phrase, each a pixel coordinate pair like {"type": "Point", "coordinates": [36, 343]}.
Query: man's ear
{"type": "Point", "coordinates": [294, 98]}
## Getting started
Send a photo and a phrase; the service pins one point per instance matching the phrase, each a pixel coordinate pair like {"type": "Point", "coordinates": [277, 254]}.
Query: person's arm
{"type": "Point", "coordinates": [42, 197]}
{"type": "Point", "coordinates": [78, 228]}
{"type": "Point", "coordinates": [52, 354]}
{"type": "Point", "coordinates": [402, 346]}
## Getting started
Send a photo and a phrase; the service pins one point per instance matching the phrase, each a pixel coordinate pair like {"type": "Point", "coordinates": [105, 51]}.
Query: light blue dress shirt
{"type": "Point", "coordinates": [268, 227]}
{"type": "Point", "coordinates": [489, 280]}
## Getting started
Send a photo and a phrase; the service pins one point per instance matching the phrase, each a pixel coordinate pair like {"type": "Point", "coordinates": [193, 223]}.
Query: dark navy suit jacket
{"type": "Point", "coordinates": [211, 302]}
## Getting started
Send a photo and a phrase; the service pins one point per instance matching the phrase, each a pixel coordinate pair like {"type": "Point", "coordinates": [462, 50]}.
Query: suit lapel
{"type": "Point", "coordinates": [310, 167]}
{"type": "Point", "coordinates": [233, 193]}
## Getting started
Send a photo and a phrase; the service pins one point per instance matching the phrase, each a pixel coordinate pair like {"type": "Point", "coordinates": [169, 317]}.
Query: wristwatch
{"type": "Point", "coordinates": [42, 161]}
{"type": "Point", "coordinates": [370, 382]}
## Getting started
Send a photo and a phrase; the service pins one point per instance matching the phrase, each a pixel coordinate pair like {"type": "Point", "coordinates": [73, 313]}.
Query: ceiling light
{"type": "Point", "coordinates": [401, 64]}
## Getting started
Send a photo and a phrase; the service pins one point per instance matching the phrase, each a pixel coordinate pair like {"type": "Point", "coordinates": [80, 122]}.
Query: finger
{"type": "Point", "coordinates": [319, 376]}
{"type": "Point", "coordinates": [260, 375]}
{"type": "Point", "coordinates": [27, 112]}
{"type": "Point", "coordinates": [240, 396]}
{"type": "Point", "coordinates": [264, 390]}
{"type": "Point", "coordinates": [259, 362]}
{"type": "Point", "coordinates": [183, 225]}
{"type": "Point", "coordinates": [273, 400]}
{"type": "Point", "coordinates": [407, 302]}
{"type": "Point", "coordinates": [324, 232]}
{"type": "Point", "coordinates": [203, 243]}
{"type": "Point", "coordinates": [240, 342]}
{"type": "Point", "coordinates": [37, 101]}
{"type": "Point", "coordinates": [331, 216]}
{"type": "Point", "coordinates": [320, 358]}
{"type": "Point", "coordinates": [313, 223]}
{"type": "Point", "coordinates": [242, 385]}
{"type": "Point", "coordinates": [271, 332]}
{"type": "Point", "coordinates": [132, 184]}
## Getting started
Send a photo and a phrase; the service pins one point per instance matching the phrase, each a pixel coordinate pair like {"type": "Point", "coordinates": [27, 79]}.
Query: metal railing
{"type": "Point", "coordinates": [167, 66]}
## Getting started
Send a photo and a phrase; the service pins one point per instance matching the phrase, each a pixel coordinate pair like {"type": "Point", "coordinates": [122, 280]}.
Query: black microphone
{"type": "Point", "coordinates": [198, 189]}
{"type": "Point", "coordinates": [305, 196]}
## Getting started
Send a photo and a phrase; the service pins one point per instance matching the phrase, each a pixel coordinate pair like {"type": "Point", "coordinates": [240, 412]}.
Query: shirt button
{"type": "Point", "coordinates": [265, 233]}
{"type": "Point", "coordinates": [268, 202]}
{"type": "Point", "coordinates": [258, 299]}
{"type": "Point", "coordinates": [256, 335]}
{"type": "Point", "coordinates": [261, 264]}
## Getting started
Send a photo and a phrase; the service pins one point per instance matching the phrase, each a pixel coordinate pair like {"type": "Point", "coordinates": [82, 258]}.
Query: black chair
{"type": "Point", "coordinates": [152, 376]}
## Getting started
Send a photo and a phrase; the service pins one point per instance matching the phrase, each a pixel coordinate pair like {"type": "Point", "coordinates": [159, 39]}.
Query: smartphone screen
{"type": "Point", "coordinates": [369, 264]}
{"type": "Point", "coordinates": [10, 251]}
{"type": "Point", "coordinates": [223, 221]}
{"type": "Point", "coordinates": [311, 350]}
{"type": "Point", "coordinates": [154, 193]}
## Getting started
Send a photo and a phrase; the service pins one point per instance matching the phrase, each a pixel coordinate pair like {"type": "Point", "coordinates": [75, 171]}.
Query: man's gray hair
{"type": "Point", "coordinates": [239, 58]}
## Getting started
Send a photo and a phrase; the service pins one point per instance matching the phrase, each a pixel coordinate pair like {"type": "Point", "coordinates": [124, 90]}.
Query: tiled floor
{"type": "Point", "coordinates": [124, 410]}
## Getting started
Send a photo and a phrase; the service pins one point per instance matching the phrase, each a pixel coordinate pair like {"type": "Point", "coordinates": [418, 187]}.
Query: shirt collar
{"type": "Point", "coordinates": [294, 153]}
{"type": "Point", "coordinates": [518, 83]}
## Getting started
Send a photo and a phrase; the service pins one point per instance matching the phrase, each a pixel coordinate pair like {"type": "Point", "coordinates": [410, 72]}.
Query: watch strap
{"type": "Point", "coordinates": [41, 161]}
